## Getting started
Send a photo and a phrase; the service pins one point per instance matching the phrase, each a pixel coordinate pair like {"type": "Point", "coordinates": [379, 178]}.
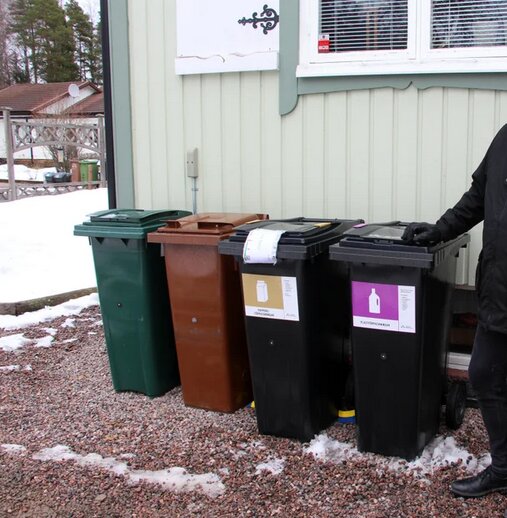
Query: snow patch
{"type": "Point", "coordinates": [274, 466]}
{"type": "Point", "coordinates": [179, 480]}
{"type": "Point", "coordinates": [441, 452]}
{"type": "Point", "coordinates": [38, 237]}
{"type": "Point", "coordinates": [71, 307]}
{"type": "Point", "coordinates": [69, 322]}
{"type": "Point", "coordinates": [23, 173]}
{"type": "Point", "coordinates": [10, 368]}
{"type": "Point", "coordinates": [175, 479]}
{"type": "Point", "coordinates": [13, 342]}
{"type": "Point", "coordinates": [326, 449]}
{"type": "Point", "coordinates": [12, 448]}
{"type": "Point", "coordinates": [45, 341]}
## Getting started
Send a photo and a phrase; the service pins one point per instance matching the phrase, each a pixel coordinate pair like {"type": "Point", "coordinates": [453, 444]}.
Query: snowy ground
{"type": "Point", "coordinates": [26, 174]}
{"type": "Point", "coordinates": [40, 254]}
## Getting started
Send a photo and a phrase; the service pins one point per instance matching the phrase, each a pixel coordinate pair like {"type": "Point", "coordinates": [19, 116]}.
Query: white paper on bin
{"type": "Point", "coordinates": [261, 246]}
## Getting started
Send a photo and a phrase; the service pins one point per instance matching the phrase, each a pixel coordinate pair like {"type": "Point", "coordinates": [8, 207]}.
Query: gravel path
{"type": "Point", "coordinates": [70, 446]}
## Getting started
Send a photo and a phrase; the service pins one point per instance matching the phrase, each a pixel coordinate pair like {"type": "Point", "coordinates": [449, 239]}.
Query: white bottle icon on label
{"type": "Point", "coordinates": [374, 302]}
{"type": "Point", "coordinates": [262, 291]}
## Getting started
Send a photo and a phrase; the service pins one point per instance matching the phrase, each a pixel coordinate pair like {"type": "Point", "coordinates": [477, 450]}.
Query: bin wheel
{"type": "Point", "coordinates": [455, 405]}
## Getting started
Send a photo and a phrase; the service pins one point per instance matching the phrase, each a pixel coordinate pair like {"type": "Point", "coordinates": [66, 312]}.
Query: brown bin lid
{"type": "Point", "coordinates": [216, 225]}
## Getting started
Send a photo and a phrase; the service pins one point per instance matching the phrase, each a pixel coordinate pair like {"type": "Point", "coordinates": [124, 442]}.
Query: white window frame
{"type": "Point", "coordinates": [418, 58]}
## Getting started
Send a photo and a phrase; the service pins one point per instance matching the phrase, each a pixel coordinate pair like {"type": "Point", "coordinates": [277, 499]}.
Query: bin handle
{"type": "Point", "coordinates": [113, 215]}
{"type": "Point", "coordinates": [213, 225]}
{"type": "Point", "coordinates": [173, 223]}
{"type": "Point", "coordinates": [322, 225]}
{"type": "Point", "coordinates": [121, 215]}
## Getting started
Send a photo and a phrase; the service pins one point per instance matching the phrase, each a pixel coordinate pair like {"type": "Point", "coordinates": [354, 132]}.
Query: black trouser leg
{"type": "Point", "coordinates": [488, 376]}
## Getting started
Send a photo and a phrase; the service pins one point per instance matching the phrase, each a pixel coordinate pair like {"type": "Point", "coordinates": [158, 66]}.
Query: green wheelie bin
{"type": "Point", "coordinates": [134, 298]}
{"type": "Point", "coordinates": [89, 165]}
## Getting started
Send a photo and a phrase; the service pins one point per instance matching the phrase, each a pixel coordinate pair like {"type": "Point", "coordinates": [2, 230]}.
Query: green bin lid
{"type": "Point", "coordinates": [134, 217]}
{"type": "Point", "coordinates": [126, 223]}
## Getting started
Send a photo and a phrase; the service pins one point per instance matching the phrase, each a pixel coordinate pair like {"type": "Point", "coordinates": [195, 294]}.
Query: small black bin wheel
{"type": "Point", "coordinates": [455, 405]}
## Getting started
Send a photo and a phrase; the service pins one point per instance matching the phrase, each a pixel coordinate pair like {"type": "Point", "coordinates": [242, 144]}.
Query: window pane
{"type": "Point", "coordinates": [468, 23]}
{"type": "Point", "coordinates": [357, 25]}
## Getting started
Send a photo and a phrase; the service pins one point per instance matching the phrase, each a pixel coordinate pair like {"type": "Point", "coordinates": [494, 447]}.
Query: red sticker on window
{"type": "Point", "coordinates": [323, 43]}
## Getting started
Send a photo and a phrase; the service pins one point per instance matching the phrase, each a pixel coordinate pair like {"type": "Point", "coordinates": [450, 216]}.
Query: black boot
{"type": "Point", "coordinates": [483, 483]}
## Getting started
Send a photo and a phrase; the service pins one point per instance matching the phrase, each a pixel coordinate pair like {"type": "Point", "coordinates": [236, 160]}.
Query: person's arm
{"type": "Point", "coordinates": [466, 213]}
{"type": "Point", "coordinates": [462, 217]}
{"type": "Point", "coordinates": [469, 210]}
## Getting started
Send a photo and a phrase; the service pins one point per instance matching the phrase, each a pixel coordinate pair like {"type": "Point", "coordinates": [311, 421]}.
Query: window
{"type": "Point", "coordinates": [366, 37]}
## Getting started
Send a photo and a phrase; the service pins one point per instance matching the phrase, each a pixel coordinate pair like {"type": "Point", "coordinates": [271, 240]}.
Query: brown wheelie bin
{"type": "Point", "coordinates": [207, 310]}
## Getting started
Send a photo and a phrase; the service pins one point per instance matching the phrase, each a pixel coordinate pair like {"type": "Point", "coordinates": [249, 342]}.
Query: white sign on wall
{"type": "Point", "coordinates": [227, 36]}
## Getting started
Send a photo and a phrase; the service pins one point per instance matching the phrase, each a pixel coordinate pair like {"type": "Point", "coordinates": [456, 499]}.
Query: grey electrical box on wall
{"type": "Point", "coordinates": [192, 169]}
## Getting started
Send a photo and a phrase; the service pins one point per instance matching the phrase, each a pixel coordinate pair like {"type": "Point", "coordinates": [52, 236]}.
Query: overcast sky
{"type": "Point", "coordinates": [91, 7]}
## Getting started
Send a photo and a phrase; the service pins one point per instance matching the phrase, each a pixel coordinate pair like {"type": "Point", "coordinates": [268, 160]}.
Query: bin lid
{"type": "Point", "coordinates": [134, 217]}
{"type": "Point", "coordinates": [382, 244]}
{"type": "Point", "coordinates": [299, 231]}
{"type": "Point", "coordinates": [302, 238]}
{"type": "Point", "coordinates": [126, 223]}
{"type": "Point", "coordinates": [194, 229]}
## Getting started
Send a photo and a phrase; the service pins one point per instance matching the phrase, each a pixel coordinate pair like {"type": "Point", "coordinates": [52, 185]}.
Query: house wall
{"type": "Point", "coordinates": [68, 101]}
{"type": "Point", "coordinates": [379, 154]}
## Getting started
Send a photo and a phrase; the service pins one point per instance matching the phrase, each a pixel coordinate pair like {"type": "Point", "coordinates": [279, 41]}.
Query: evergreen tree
{"type": "Point", "coordinates": [23, 28]}
{"type": "Point", "coordinates": [45, 41]}
{"type": "Point", "coordinates": [96, 57]}
{"type": "Point", "coordinates": [17, 71]}
{"type": "Point", "coordinates": [6, 53]}
{"type": "Point", "coordinates": [49, 42]}
{"type": "Point", "coordinates": [56, 42]}
{"type": "Point", "coordinates": [82, 28]}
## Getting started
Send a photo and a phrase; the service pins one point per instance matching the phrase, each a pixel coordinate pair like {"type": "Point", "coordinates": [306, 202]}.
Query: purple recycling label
{"type": "Point", "coordinates": [383, 306]}
{"type": "Point", "coordinates": [378, 300]}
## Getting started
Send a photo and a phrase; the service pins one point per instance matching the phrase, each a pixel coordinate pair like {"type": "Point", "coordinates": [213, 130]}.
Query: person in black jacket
{"type": "Point", "coordinates": [486, 200]}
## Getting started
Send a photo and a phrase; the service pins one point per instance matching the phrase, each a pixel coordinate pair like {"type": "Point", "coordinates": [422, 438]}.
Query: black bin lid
{"type": "Point", "coordinates": [382, 244]}
{"type": "Point", "coordinates": [297, 231]}
{"type": "Point", "coordinates": [303, 238]}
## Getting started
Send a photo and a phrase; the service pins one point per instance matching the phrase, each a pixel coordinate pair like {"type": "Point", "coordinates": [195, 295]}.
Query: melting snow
{"type": "Point", "coordinates": [12, 448]}
{"type": "Point", "coordinates": [45, 341]}
{"type": "Point", "coordinates": [69, 322]}
{"type": "Point", "coordinates": [175, 479]}
{"type": "Point", "coordinates": [10, 368]}
{"type": "Point", "coordinates": [71, 307]}
{"type": "Point", "coordinates": [274, 466]}
{"type": "Point", "coordinates": [13, 342]}
{"type": "Point", "coordinates": [438, 453]}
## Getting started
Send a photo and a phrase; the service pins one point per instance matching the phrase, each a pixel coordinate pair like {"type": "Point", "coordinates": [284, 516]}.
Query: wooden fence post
{"type": "Point", "coordinates": [10, 157]}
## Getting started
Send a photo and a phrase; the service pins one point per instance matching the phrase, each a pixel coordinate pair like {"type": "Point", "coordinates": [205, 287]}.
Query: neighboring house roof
{"type": "Point", "coordinates": [26, 99]}
{"type": "Point", "coordinates": [91, 106]}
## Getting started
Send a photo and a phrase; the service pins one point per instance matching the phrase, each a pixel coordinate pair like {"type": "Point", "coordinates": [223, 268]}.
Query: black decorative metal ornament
{"type": "Point", "coordinates": [268, 19]}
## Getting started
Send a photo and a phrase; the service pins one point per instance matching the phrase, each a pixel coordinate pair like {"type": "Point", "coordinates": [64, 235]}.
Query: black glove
{"type": "Point", "coordinates": [422, 233]}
